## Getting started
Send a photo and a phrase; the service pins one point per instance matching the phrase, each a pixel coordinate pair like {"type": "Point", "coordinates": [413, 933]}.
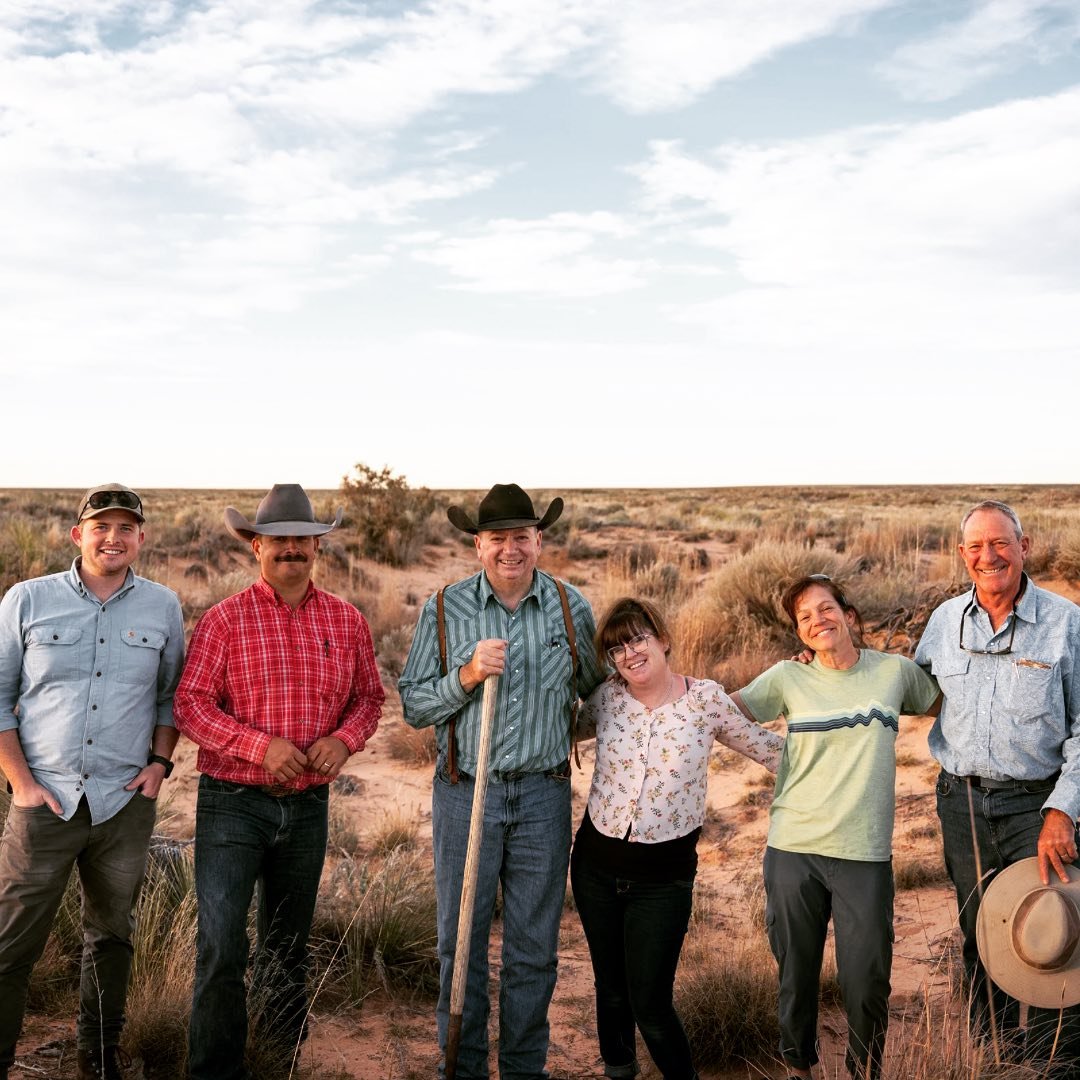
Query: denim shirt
{"type": "Point", "coordinates": [1012, 716]}
{"type": "Point", "coordinates": [85, 682]}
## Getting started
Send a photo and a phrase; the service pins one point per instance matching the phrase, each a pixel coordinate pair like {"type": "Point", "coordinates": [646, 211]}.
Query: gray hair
{"type": "Point", "coordinates": [1001, 508]}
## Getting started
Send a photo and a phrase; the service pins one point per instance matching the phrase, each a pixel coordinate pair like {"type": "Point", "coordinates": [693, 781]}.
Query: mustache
{"type": "Point", "coordinates": [292, 557]}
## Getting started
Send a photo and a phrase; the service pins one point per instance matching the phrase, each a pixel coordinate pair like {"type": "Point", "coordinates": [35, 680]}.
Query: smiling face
{"type": "Point", "coordinates": [646, 662]}
{"type": "Point", "coordinates": [286, 562]}
{"type": "Point", "coordinates": [994, 556]}
{"type": "Point", "coordinates": [822, 623]}
{"type": "Point", "coordinates": [109, 543]}
{"type": "Point", "coordinates": [508, 557]}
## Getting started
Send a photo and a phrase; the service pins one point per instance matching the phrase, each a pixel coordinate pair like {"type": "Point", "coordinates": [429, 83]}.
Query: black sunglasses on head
{"type": "Point", "coordinates": [103, 500]}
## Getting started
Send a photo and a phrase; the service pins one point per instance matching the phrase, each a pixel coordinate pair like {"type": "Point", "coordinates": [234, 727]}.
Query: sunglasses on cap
{"type": "Point", "coordinates": [109, 500]}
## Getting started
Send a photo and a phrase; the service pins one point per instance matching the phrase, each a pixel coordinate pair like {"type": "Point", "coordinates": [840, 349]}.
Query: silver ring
{"type": "Point", "coordinates": [326, 764]}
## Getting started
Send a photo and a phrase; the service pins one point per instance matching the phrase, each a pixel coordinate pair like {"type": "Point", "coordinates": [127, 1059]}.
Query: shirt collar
{"type": "Point", "coordinates": [487, 592]}
{"type": "Point", "coordinates": [1025, 608]}
{"type": "Point", "coordinates": [77, 583]}
{"type": "Point", "coordinates": [264, 589]}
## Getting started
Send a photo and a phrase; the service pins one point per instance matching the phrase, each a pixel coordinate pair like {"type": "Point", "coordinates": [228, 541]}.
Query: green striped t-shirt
{"type": "Point", "coordinates": [835, 788]}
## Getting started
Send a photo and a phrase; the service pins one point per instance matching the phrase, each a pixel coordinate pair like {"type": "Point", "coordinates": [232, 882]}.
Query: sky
{"type": "Point", "coordinates": [563, 243]}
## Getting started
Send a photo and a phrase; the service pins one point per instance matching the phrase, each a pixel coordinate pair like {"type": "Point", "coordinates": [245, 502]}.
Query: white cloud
{"type": "Point", "coordinates": [956, 235]}
{"type": "Point", "coordinates": [996, 37]}
{"type": "Point", "coordinates": [649, 59]}
{"type": "Point", "coordinates": [560, 255]}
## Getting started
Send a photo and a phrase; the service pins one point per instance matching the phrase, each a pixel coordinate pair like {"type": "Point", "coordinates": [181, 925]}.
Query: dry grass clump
{"type": "Point", "coordinates": [727, 997]}
{"type": "Point", "coordinates": [916, 870]}
{"type": "Point", "coordinates": [410, 745]}
{"type": "Point", "coordinates": [376, 920]}
{"type": "Point", "coordinates": [396, 827]}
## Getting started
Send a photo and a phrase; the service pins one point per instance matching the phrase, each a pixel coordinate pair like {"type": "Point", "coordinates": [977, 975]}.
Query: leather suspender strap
{"type": "Point", "coordinates": [451, 734]}
{"type": "Point", "coordinates": [571, 640]}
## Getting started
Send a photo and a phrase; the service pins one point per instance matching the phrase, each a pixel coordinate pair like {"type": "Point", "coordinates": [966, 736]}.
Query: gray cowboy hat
{"type": "Point", "coordinates": [285, 511]}
{"type": "Point", "coordinates": [1029, 935]}
{"type": "Point", "coordinates": [505, 506]}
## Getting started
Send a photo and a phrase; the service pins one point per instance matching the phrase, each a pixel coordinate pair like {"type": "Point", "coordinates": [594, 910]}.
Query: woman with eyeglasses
{"type": "Point", "coordinates": [634, 858]}
{"type": "Point", "coordinates": [829, 850]}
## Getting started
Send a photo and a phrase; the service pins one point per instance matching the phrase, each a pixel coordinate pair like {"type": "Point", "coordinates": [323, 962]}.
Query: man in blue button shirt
{"type": "Point", "coordinates": [89, 661]}
{"type": "Point", "coordinates": [507, 620]}
{"type": "Point", "coordinates": [1006, 655]}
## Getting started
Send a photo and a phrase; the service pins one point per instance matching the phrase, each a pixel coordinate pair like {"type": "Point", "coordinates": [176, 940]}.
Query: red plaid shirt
{"type": "Point", "coordinates": [256, 668]}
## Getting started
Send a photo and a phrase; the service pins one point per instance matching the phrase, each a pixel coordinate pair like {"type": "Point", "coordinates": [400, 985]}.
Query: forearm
{"type": "Point", "coordinates": [164, 741]}
{"type": "Point", "coordinates": [12, 761]}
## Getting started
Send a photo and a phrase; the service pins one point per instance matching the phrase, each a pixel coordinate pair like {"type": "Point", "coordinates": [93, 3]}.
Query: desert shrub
{"type": "Point", "coordinates": [915, 871]}
{"type": "Point", "coordinates": [342, 834]}
{"type": "Point", "coordinates": [159, 995]}
{"type": "Point", "coordinates": [376, 920]}
{"type": "Point", "coordinates": [392, 649]}
{"type": "Point", "coordinates": [390, 518]}
{"type": "Point", "coordinates": [415, 747]}
{"type": "Point", "coordinates": [727, 996]}
{"type": "Point", "coordinates": [30, 548]}
{"type": "Point", "coordinates": [396, 827]}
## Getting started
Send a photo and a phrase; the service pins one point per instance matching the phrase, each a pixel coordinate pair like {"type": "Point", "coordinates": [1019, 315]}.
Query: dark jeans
{"type": "Point", "coordinates": [37, 853]}
{"type": "Point", "coordinates": [1007, 826]}
{"type": "Point", "coordinates": [635, 931]}
{"type": "Point", "coordinates": [243, 838]}
{"type": "Point", "coordinates": [802, 892]}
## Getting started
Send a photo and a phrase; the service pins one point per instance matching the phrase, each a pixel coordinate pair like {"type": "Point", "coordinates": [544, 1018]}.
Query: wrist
{"type": "Point", "coordinates": [164, 762]}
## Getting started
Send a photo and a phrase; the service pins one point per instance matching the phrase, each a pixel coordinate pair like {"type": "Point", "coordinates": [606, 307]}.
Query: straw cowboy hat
{"type": "Point", "coordinates": [505, 506]}
{"type": "Point", "coordinates": [1029, 935]}
{"type": "Point", "coordinates": [285, 511]}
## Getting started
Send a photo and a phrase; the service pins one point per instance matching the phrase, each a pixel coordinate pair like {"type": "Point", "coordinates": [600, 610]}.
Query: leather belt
{"type": "Point", "coordinates": [986, 783]}
{"type": "Point", "coordinates": [277, 791]}
{"type": "Point", "coordinates": [505, 776]}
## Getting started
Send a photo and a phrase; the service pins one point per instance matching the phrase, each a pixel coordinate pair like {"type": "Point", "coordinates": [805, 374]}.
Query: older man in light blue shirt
{"type": "Point", "coordinates": [1007, 658]}
{"type": "Point", "coordinates": [89, 661]}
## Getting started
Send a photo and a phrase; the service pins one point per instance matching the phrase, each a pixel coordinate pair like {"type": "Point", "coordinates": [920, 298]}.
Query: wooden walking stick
{"type": "Point", "coordinates": [468, 884]}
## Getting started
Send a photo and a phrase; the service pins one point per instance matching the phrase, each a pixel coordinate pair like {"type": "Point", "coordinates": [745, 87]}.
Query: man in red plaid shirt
{"type": "Point", "coordinates": [280, 689]}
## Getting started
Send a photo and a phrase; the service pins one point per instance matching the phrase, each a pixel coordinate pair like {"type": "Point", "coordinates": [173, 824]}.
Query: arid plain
{"type": "Point", "coordinates": [715, 560]}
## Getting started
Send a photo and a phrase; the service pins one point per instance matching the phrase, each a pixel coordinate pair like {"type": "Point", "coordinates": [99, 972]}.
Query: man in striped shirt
{"type": "Point", "coordinates": [508, 620]}
{"type": "Point", "coordinates": [280, 690]}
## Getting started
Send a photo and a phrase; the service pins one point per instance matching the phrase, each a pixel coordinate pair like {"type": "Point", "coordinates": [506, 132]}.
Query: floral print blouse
{"type": "Point", "coordinates": [652, 765]}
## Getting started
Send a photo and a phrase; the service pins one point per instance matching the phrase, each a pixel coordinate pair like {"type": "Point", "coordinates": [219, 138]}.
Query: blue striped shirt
{"type": "Point", "coordinates": [531, 731]}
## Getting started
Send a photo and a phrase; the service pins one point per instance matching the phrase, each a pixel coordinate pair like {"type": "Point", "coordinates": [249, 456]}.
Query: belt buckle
{"type": "Point", "coordinates": [277, 791]}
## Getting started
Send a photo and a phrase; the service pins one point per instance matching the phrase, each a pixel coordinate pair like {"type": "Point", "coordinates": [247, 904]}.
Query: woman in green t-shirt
{"type": "Point", "coordinates": [829, 852]}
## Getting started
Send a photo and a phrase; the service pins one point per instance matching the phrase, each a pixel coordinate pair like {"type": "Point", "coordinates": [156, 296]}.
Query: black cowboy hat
{"type": "Point", "coordinates": [284, 511]}
{"type": "Point", "coordinates": [505, 506]}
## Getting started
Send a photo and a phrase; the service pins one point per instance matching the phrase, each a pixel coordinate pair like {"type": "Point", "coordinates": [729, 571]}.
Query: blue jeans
{"type": "Point", "coordinates": [635, 931]}
{"type": "Point", "coordinates": [37, 853]}
{"type": "Point", "coordinates": [526, 847]}
{"type": "Point", "coordinates": [803, 891]}
{"type": "Point", "coordinates": [1007, 826]}
{"type": "Point", "coordinates": [244, 837]}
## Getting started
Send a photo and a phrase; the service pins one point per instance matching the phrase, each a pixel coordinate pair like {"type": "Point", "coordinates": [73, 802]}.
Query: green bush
{"type": "Point", "coordinates": [392, 520]}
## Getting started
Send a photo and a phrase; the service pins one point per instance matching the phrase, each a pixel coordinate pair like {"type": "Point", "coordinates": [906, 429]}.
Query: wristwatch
{"type": "Point", "coordinates": [157, 759]}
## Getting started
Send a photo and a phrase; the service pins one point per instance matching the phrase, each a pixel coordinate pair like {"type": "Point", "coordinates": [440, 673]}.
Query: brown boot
{"type": "Point", "coordinates": [102, 1063]}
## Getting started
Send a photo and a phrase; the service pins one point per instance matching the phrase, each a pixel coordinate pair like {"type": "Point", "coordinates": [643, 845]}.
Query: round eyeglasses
{"type": "Point", "coordinates": [618, 653]}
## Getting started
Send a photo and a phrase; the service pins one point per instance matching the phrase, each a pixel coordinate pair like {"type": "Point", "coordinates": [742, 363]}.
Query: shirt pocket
{"type": "Point", "coordinates": [334, 668]}
{"type": "Point", "coordinates": [555, 664]}
{"type": "Point", "coordinates": [140, 656]}
{"type": "Point", "coordinates": [951, 674]}
{"type": "Point", "coordinates": [54, 654]}
{"type": "Point", "coordinates": [1030, 691]}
